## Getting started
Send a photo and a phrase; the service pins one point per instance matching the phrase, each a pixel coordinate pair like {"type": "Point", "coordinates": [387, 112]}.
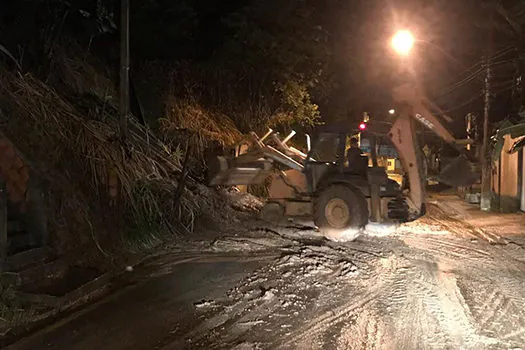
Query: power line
{"type": "Point", "coordinates": [476, 73]}
{"type": "Point", "coordinates": [498, 54]}
{"type": "Point", "coordinates": [463, 104]}
{"type": "Point", "coordinates": [467, 70]}
{"type": "Point", "coordinates": [460, 83]}
{"type": "Point", "coordinates": [477, 97]}
{"type": "Point", "coordinates": [503, 52]}
{"type": "Point", "coordinates": [503, 90]}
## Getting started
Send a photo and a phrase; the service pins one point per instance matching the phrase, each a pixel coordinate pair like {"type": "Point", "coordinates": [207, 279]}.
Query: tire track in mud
{"type": "Point", "coordinates": [433, 314]}
{"type": "Point", "coordinates": [305, 277]}
{"type": "Point", "coordinates": [422, 291]}
{"type": "Point", "coordinates": [449, 249]}
{"type": "Point", "coordinates": [461, 228]}
{"type": "Point", "coordinates": [319, 325]}
{"type": "Point", "coordinates": [414, 307]}
{"type": "Point", "coordinates": [497, 307]}
{"type": "Point", "coordinates": [466, 242]}
{"type": "Point", "coordinates": [367, 332]}
{"type": "Point", "coordinates": [445, 302]}
{"type": "Point", "coordinates": [489, 279]}
{"type": "Point", "coordinates": [308, 333]}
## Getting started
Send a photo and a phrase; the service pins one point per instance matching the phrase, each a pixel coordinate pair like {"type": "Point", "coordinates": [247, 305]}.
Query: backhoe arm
{"type": "Point", "coordinates": [411, 105]}
{"type": "Point", "coordinates": [403, 136]}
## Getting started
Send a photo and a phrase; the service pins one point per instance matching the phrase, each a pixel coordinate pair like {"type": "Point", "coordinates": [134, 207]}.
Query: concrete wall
{"type": "Point", "coordinates": [505, 175]}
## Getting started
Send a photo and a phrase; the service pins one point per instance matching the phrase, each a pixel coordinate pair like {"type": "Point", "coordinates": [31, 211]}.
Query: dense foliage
{"type": "Point", "coordinates": [258, 63]}
{"type": "Point", "coordinates": [250, 60]}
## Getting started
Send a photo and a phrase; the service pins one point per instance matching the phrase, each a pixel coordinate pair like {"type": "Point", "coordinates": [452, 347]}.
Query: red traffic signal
{"type": "Point", "coordinates": [362, 126]}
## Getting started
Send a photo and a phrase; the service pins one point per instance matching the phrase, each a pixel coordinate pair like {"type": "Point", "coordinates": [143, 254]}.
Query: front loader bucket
{"type": "Point", "coordinates": [459, 172]}
{"type": "Point", "coordinates": [228, 171]}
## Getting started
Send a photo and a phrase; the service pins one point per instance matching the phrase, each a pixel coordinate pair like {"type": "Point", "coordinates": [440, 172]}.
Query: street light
{"type": "Point", "coordinates": [392, 111]}
{"type": "Point", "coordinates": [402, 42]}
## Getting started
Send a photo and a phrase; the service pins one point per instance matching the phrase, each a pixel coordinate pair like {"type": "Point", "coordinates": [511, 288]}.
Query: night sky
{"type": "Point", "coordinates": [453, 36]}
{"type": "Point", "coordinates": [452, 39]}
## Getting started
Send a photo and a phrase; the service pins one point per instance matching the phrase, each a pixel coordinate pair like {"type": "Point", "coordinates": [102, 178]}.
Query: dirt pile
{"type": "Point", "coordinates": [101, 192]}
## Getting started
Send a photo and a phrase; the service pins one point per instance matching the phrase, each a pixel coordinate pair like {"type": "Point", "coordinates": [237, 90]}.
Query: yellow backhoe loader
{"type": "Point", "coordinates": [319, 184]}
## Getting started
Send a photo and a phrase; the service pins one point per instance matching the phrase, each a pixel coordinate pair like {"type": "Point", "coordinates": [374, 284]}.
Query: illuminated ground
{"type": "Point", "coordinates": [453, 280]}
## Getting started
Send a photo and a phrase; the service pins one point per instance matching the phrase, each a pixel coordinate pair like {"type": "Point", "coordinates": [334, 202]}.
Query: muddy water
{"type": "Point", "coordinates": [438, 283]}
{"type": "Point", "coordinates": [148, 314]}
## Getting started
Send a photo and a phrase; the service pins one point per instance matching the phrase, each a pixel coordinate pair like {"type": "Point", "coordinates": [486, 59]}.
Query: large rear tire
{"type": "Point", "coordinates": [338, 208]}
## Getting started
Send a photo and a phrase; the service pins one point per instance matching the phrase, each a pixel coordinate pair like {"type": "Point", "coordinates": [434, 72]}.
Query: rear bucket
{"type": "Point", "coordinates": [458, 173]}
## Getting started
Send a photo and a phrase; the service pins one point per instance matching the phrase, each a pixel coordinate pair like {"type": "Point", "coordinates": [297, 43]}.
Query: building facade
{"type": "Point", "coordinates": [508, 180]}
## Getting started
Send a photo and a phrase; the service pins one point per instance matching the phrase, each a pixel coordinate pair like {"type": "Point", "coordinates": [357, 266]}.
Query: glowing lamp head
{"type": "Point", "coordinates": [362, 126]}
{"type": "Point", "coordinates": [402, 42]}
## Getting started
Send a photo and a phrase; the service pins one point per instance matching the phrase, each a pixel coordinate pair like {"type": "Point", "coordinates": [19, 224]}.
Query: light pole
{"type": "Point", "coordinates": [124, 71]}
{"type": "Point", "coordinates": [403, 42]}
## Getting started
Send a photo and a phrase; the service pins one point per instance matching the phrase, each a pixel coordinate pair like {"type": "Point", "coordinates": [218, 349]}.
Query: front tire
{"type": "Point", "coordinates": [339, 208]}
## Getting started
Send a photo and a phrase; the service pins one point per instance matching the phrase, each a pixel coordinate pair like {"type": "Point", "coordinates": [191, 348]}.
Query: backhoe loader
{"type": "Point", "coordinates": [319, 184]}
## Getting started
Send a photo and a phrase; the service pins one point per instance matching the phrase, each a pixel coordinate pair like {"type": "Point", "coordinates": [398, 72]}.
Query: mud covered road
{"type": "Point", "coordinates": [438, 283]}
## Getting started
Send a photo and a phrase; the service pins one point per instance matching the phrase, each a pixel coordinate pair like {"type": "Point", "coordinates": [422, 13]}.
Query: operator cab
{"type": "Point", "coordinates": [328, 157]}
{"type": "Point", "coordinates": [326, 164]}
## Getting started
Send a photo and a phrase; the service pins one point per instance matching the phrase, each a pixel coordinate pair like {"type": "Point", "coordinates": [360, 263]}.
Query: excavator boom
{"type": "Point", "coordinates": [412, 106]}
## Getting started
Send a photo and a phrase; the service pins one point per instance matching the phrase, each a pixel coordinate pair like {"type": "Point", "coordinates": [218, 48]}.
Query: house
{"type": "Point", "coordinates": [508, 169]}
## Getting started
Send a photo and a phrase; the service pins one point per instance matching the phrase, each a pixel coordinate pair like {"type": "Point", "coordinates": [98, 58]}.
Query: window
{"type": "Point", "coordinates": [325, 149]}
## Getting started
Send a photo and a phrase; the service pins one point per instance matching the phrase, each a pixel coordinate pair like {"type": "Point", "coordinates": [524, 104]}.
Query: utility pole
{"type": "Point", "coordinates": [123, 99]}
{"type": "Point", "coordinates": [468, 119]}
{"type": "Point", "coordinates": [485, 163]}
{"type": "Point", "coordinates": [124, 69]}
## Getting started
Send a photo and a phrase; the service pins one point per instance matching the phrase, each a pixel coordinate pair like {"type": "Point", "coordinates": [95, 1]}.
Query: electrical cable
{"type": "Point", "coordinates": [497, 54]}
{"type": "Point", "coordinates": [502, 52]}
{"type": "Point", "coordinates": [474, 99]}
{"type": "Point", "coordinates": [463, 104]}
{"type": "Point", "coordinates": [475, 74]}
{"type": "Point", "coordinates": [460, 83]}
{"type": "Point", "coordinates": [502, 90]}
